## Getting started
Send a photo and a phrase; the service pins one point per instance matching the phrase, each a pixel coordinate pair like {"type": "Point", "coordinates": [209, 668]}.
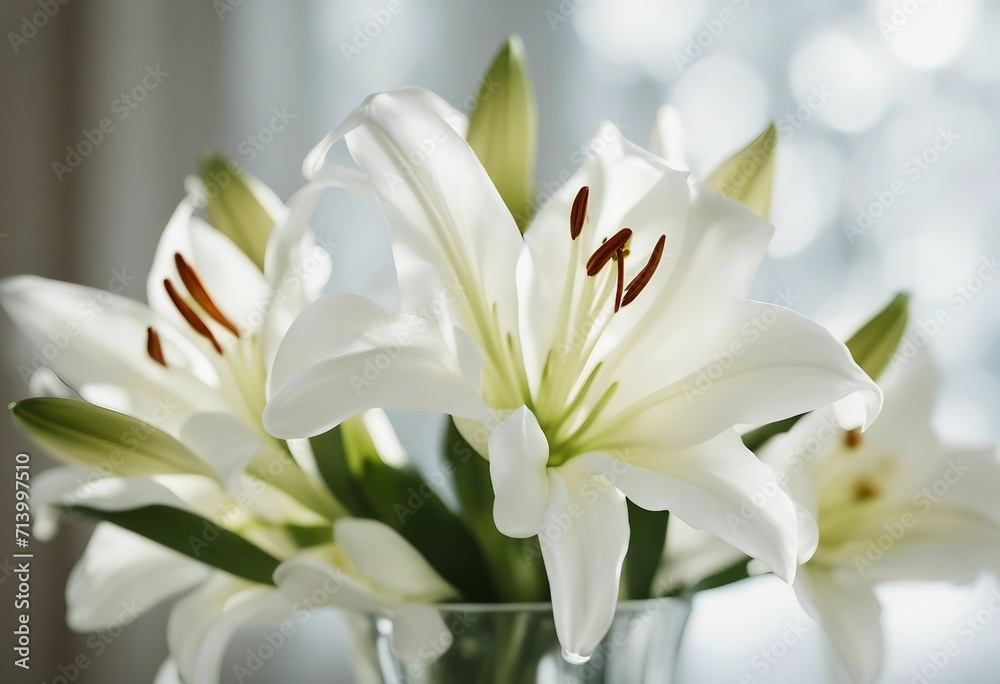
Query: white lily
{"type": "Point", "coordinates": [122, 575]}
{"type": "Point", "coordinates": [892, 505]}
{"type": "Point", "coordinates": [195, 361]}
{"type": "Point", "coordinates": [574, 357]}
{"type": "Point", "coordinates": [370, 568]}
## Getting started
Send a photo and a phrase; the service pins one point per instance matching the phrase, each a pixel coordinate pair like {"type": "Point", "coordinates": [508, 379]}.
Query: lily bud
{"type": "Point", "coordinates": [238, 205]}
{"type": "Point", "coordinates": [749, 174]}
{"type": "Point", "coordinates": [873, 345]}
{"type": "Point", "coordinates": [503, 128]}
{"type": "Point", "coordinates": [82, 434]}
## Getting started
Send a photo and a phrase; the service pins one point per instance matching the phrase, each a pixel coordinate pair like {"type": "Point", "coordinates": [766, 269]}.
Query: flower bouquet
{"type": "Point", "coordinates": [625, 428]}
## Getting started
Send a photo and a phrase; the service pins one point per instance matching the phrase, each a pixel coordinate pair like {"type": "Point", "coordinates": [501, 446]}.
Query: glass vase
{"type": "Point", "coordinates": [517, 644]}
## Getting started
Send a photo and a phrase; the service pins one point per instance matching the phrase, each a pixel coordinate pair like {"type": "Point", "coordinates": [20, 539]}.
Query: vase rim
{"type": "Point", "coordinates": [546, 606]}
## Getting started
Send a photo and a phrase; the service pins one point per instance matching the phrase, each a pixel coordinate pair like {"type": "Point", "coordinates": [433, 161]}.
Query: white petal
{"type": "Point", "coordinates": [718, 486]}
{"type": "Point", "coordinates": [458, 121]}
{"type": "Point", "coordinates": [385, 558]}
{"type": "Point", "coordinates": [945, 544]}
{"type": "Point", "coordinates": [204, 622]}
{"type": "Point", "coordinates": [295, 266]}
{"type": "Point", "coordinates": [709, 261]}
{"type": "Point", "coordinates": [48, 489]}
{"type": "Point", "coordinates": [79, 487]}
{"type": "Point", "coordinates": [455, 243]}
{"type": "Point", "coordinates": [385, 439]}
{"type": "Point", "coordinates": [45, 383]}
{"type": "Point", "coordinates": [628, 187]}
{"type": "Point", "coordinates": [693, 555]}
{"type": "Point", "coordinates": [976, 490]}
{"type": "Point", "coordinates": [231, 278]}
{"type": "Point", "coordinates": [519, 453]}
{"type": "Point", "coordinates": [851, 618]}
{"type": "Point", "coordinates": [345, 354]}
{"type": "Point", "coordinates": [317, 577]}
{"type": "Point", "coordinates": [315, 167]}
{"type": "Point", "coordinates": [223, 441]}
{"type": "Point", "coordinates": [98, 341]}
{"type": "Point", "coordinates": [772, 364]}
{"type": "Point", "coordinates": [168, 673]}
{"type": "Point", "coordinates": [583, 537]}
{"type": "Point", "coordinates": [121, 575]}
{"type": "Point", "coordinates": [419, 634]}
{"type": "Point", "coordinates": [668, 137]}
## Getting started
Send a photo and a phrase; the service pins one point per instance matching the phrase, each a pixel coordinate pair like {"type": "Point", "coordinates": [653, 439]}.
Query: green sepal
{"type": "Point", "coordinates": [236, 204]}
{"type": "Point", "coordinates": [503, 128]}
{"type": "Point", "coordinates": [748, 176]}
{"type": "Point", "coordinates": [90, 436]}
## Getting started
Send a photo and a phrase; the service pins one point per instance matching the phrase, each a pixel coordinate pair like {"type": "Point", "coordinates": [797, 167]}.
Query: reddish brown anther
{"type": "Point", "coordinates": [643, 277]}
{"type": "Point", "coordinates": [852, 438]}
{"type": "Point", "coordinates": [190, 316]}
{"type": "Point", "coordinates": [607, 250]}
{"type": "Point", "coordinates": [620, 285]}
{"type": "Point", "coordinates": [153, 347]}
{"type": "Point", "coordinates": [578, 214]}
{"type": "Point", "coordinates": [197, 289]}
{"type": "Point", "coordinates": [865, 490]}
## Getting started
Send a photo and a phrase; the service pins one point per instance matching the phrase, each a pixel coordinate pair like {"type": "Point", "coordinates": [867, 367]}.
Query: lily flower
{"type": "Point", "coordinates": [194, 362]}
{"type": "Point", "coordinates": [608, 353]}
{"type": "Point", "coordinates": [122, 575]}
{"type": "Point", "coordinates": [187, 378]}
{"type": "Point", "coordinates": [893, 504]}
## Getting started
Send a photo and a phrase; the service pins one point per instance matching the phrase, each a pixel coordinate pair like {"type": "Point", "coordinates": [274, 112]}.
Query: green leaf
{"type": "Point", "coordinates": [331, 461]}
{"type": "Point", "coordinates": [310, 535]}
{"type": "Point", "coordinates": [503, 128]}
{"type": "Point", "coordinates": [748, 175]}
{"type": "Point", "coordinates": [645, 550]}
{"type": "Point", "coordinates": [193, 536]}
{"type": "Point", "coordinates": [369, 487]}
{"type": "Point", "coordinates": [872, 347]}
{"type": "Point", "coordinates": [403, 500]}
{"type": "Point", "coordinates": [756, 438]}
{"type": "Point", "coordinates": [237, 205]}
{"type": "Point", "coordinates": [82, 434]}
{"type": "Point", "coordinates": [516, 564]}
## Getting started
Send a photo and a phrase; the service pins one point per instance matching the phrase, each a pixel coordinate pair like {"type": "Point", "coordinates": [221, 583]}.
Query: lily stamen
{"type": "Point", "coordinates": [865, 490]}
{"type": "Point", "coordinates": [192, 281]}
{"type": "Point", "coordinates": [645, 275]}
{"type": "Point", "coordinates": [190, 316]}
{"type": "Point", "coordinates": [153, 347]}
{"type": "Point", "coordinates": [578, 214]}
{"type": "Point", "coordinates": [607, 250]}
{"type": "Point", "coordinates": [852, 438]}
{"type": "Point", "coordinates": [620, 286]}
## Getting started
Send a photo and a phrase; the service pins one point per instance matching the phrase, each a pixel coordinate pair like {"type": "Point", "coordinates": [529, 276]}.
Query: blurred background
{"type": "Point", "coordinates": [886, 180]}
